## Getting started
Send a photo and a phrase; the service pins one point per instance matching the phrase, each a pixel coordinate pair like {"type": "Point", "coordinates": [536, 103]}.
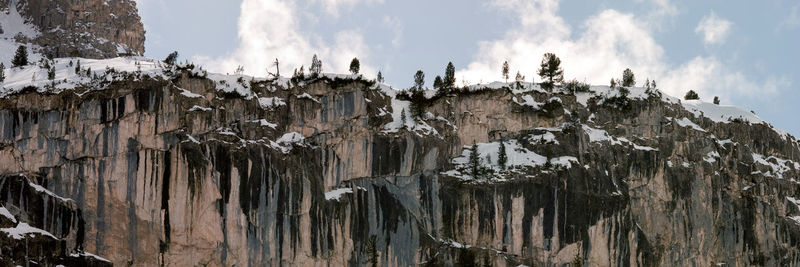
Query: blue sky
{"type": "Point", "coordinates": [745, 52]}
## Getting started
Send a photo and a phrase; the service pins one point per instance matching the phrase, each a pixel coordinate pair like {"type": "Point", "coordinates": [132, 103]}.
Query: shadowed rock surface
{"type": "Point", "coordinates": [176, 172]}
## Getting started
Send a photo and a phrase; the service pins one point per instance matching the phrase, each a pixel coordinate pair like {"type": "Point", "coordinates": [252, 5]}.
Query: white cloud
{"type": "Point", "coordinates": [792, 21]}
{"type": "Point", "coordinates": [269, 29]}
{"type": "Point", "coordinates": [714, 29]}
{"type": "Point", "coordinates": [332, 6]}
{"type": "Point", "coordinates": [607, 43]}
{"type": "Point", "coordinates": [396, 26]}
{"type": "Point", "coordinates": [610, 42]}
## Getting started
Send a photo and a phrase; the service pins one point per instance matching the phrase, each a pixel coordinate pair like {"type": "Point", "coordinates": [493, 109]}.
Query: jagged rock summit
{"type": "Point", "coordinates": [133, 162]}
{"type": "Point", "coordinates": [85, 28]}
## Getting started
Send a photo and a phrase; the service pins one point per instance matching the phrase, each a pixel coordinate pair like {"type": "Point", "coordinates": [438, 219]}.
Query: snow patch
{"type": "Point", "coordinates": [336, 194]}
{"type": "Point", "coordinates": [199, 108]}
{"type": "Point", "coordinates": [7, 214]}
{"type": "Point", "coordinates": [685, 122]}
{"type": "Point", "coordinates": [23, 229]}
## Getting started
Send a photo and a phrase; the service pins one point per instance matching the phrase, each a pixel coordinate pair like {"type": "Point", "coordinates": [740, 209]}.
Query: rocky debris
{"type": "Point", "coordinates": [87, 28]}
{"type": "Point", "coordinates": [189, 168]}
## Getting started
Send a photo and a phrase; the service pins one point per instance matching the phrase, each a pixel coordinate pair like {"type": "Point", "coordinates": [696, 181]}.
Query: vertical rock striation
{"type": "Point", "coordinates": [177, 172]}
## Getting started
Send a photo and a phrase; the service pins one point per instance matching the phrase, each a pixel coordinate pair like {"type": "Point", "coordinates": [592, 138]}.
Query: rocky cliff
{"type": "Point", "coordinates": [150, 165]}
{"type": "Point", "coordinates": [85, 28]}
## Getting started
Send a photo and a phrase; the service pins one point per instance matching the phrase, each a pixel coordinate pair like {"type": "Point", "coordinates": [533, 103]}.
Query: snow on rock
{"type": "Point", "coordinates": [598, 135]}
{"type": "Point", "coordinates": [189, 94]}
{"type": "Point", "coordinates": [564, 161]}
{"type": "Point", "coordinates": [66, 78]}
{"type": "Point", "coordinates": [527, 100]}
{"type": "Point", "coordinates": [270, 102]}
{"type": "Point", "coordinates": [23, 229]}
{"type": "Point", "coordinates": [685, 122]}
{"type": "Point", "coordinates": [720, 113]}
{"type": "Point", "coordinates": [794, 201]}
{"type": "Point", "coordinates": [265, 123]}
{"type": "Point", "coordinates": [711, 157]}
{"type": "Point", "coordinates": [239, 84]}
{"type": "Point", "coordinates": [7, 214]}
{"type": "Point", "coordinates": [198, 108]}
{"type": "Point", "coordinates": [416, 125]}
{"type": "Point", "coordinates": [518, 157]}
{"type": "Point", "coordinates": [307, 96]}
{"type": "Point", "coordinates": [87, 254]}
{"type": "Point", "coordinates": [777, 165]}
{"type": "Point", "coordinates": [336, 194]}
{"type": "Point", "coordinates": [546, 138]}
{"type": "Point", "coordinates": [288, 141]}
{"type": "Point", "coordinates": [192, 139]}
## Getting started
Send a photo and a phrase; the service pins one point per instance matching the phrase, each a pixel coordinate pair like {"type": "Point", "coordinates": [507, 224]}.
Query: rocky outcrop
{"type": "Point", "coordinates": [86, 28]}
{"type": "Point", "coordinates": [319, 172]}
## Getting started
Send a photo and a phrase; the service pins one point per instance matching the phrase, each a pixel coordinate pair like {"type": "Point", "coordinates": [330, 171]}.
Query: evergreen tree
{"type": "Point", "coordinates": [78, 68]}
{"type": "Point", "coordinates": [647, 84]}
{"type": "Point", "coordinates": [403, 118]}
{"type": "Point", "coordinates": [20, 57]}
{"type": "Point", "coordinates": [380, 77]}
{"type": "Point", "coordinates": [653, 84]}
{"type": "Point", "coordinates": [716, 100]}
{"type": "Point", "coordinates": [355, 66]}
{"type": "Point", "coordinates": [450, 76]}
{"type": "Point", "coordinates": [502, 158]}
{"type": "Point", "coordinates": [612, 83]}
{"type": "Point", "coordinates": [2, 72]}
{"type": "Point", "coordinates": [474, 160]}
{"type": "Point", "coordinates": [171, 58]}
{"type": "Point", "coordinates": [438, 83]}
{"type": "Point", "coordinates": [551, 71]}
{"type": "Point", "coordinates": [316, 66]}
{"type": "Point", "coordinates": [628, 78]}
{"type": "Point", "coordinates": [505, 70]}
{"type": "Point", "coordinates": [691, 95]}
{"type": "Point", "coordinates": [419, 79]}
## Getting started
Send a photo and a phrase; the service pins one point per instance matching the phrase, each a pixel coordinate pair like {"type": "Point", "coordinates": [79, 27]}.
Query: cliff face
{"type": "Point", "coordinates": [86, 28]}
{"type": "Point", "coordinates": [184, 170]}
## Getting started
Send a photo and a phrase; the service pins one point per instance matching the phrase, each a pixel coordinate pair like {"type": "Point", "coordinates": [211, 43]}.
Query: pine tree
{"type": "Point", "coordinates": [450, 76]}
{"type": "Point", "coordinates": [20, 57]}
{"type": "Point", "coordinates": [78, 68]}
{"type": "Point", "coordinates": [355, 66]}
{"type": "Point", "coordinates": [628, 78]}
{"type": "Point", "coordinates": [403, 118]}
{"type": "Point", "coordinates": [716, 100]}
{"type": "Point", "coordinates": [647, 84]}
{"type": "Point", "coordinates": [419, 79]}
{"type": "Point", "coordinates": [502, 158]}
{"type": "Point", "coordinates": [551, 71]}
{"type": "Point", "coordinates": [437, 82]}
{"type": "Point", "coordinates": [612, 83]}
{"type": "Point", "coordinates": [380, 77]}
{"type": "Point", "coordinates": [474, 160]}
{"type": "Point", "coordinates": [505, 70]}
{"type": "Point", "coordinates": [691, 95]}
{"type": "Point", "coordinates": [316, 66]}
{"type": "Point", "coordinates": [653, 84]}
{"type": "Point", "coordinates": [2, 72]}
{"type": "Point", "coordinates": [171, 58]}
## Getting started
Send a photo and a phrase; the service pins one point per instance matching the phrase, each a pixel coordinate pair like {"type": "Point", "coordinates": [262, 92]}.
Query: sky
{"type": "Point", "coordinates": [744, 52]}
